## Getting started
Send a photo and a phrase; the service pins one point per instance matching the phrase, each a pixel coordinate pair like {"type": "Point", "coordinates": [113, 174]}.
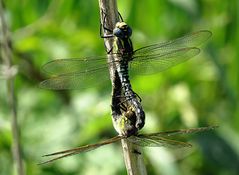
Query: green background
{"type": "Point", "coordinates": [200, 92]}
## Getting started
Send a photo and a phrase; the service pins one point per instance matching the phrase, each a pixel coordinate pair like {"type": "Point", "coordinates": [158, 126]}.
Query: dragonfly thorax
{"type": "Point", "coordinates": [122, 30]}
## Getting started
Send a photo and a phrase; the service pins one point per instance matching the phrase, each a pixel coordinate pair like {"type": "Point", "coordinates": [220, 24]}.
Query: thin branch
{"type": "Point", "coordinates": [6, 54]}
{"type": "Point", "coordinates": [133, 156]}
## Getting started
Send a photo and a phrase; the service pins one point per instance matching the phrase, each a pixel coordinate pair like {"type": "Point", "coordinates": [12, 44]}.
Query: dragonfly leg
{"type": "Point", "coordinates": [136, 107]}
{"type": "Point", "coordinates": [124, 124]}
{"type": "Point", "coordinates": [102, 26]}
{"type": "Point", "coordinates": [130, 121]}
{"type": "Point", "coordinates": [123, 107]}
{"type": "Point", "coordinates": [140, 99]}
{"type": "Point", "coordinates": [125, 119]}
{"type": "Point", "coordinates": [133, 106]}
{"type": "Point", "coordinates": [104, 35]}
{"type": "Point", "coordinates": [121, 19]}
{"type": "Point", "coordinates": [109, 51]}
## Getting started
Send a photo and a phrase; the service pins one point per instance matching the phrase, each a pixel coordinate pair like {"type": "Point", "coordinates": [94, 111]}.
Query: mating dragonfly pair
{"type": "Point", "coordinates": [78, 73]}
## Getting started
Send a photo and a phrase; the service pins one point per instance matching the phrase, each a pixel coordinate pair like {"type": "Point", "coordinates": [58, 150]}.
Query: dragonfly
{"type": "Point", "coordinates": [80, 73]}
{"type": "Point", "coordinates": [160, 139]}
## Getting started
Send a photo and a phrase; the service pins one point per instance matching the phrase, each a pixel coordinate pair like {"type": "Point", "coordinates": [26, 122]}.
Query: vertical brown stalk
{"type": "Point", "coordinates": [6, 54]}
{"type": "Point", "coordinates": [133, 156]}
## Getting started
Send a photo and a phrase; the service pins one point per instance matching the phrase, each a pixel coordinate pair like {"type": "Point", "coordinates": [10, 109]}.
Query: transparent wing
{"type": "Point", "coordinates": [86, 148]}
{"type": "Point", "coordinates": [191, 40]}
{"type": "Point", "coordinates": [181, 131]}
{"type": "Point", "coordinates": [75, 73]}
{"type": "Point", "coordinates": [160, 139]}
{"type": "Point", "coordinates": [156, 141]}
{"type": "Point", "coordinates": [153, 63]}
{"type": "Point", "coordinates": [159, 57]}
{"type": "Point", "coordinates": [80, 80]}
{"type": "Point", "coordinates": [74, 65]}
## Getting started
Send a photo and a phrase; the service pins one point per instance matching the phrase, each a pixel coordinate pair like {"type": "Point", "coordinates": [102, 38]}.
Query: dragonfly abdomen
{"type": "Point", "coordinates": [130, 95]}
{"type": "Point", "coordinates": [124, 77]}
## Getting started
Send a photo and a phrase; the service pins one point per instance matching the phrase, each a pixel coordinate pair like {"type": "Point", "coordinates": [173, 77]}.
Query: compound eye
{"type": "Point", "coordinates": [118, 32]}
{"type": "Point", "coordinates": [129, 31]}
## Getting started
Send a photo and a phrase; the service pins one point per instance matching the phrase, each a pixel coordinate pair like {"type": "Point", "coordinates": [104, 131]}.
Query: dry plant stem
{"type": "Point", "coordinates": [133, 156]}
{"type": "Point", "coordinates": [6, 55]}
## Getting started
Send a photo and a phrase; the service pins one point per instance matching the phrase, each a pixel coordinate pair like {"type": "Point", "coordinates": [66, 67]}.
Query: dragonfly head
{"type": "Point", "coordinates": [122, 30]}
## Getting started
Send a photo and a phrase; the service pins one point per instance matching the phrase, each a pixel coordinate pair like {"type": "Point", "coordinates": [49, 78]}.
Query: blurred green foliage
{"type": "Point", "coordinates": [200, 92]}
